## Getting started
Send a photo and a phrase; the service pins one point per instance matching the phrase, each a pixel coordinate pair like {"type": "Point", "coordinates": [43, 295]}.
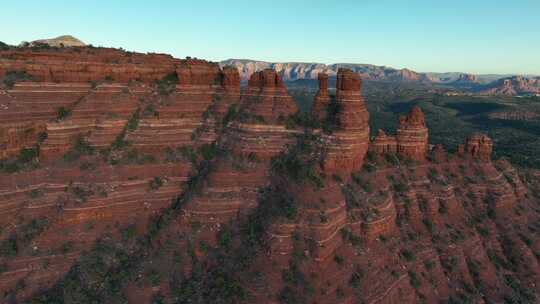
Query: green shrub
{"type": "Point", "coordinates": [208, 151]}
{"type": "Point", "coordinates": [80, 148]}
{"type": "Point", "coordinates": [301, 119]}
{"type": "Point", "coordinates": [12, 77]}
{"type": "Point", "coordinates": [400, 186]}
{"type": "Point", "coordinates": [167, 84]}
{"type": "Point", "coordinates": [339, 260]}
{"type": "Point", "coordinates": [332, 122]}
{"type": "Point", "coordinates": [150, 110]}
{"type": "Point", "coordinates": [36, 193]}
{"type": "Point", "coordinates": [4, 46]}
{"type": "Point", "coordinates": [129, 232]}
{"type": "Point", "coordinates": [299, 161]}
{"type": "Point", "coordinates": [62, 113]}
{"type": "Point", "coordinates": [26, 159]}
{"type": "Point", "coordinates": [80, 193]}
{"type": "Point", "coordinates": [408, 255]}
{"type": "Point", "coordinates": [156, 183]}
{"type": "Point", "coordinates": [9, 247]}
{"type": "Point", "coordinates": [67, 247]}
{"type": "Point", "coordinates": [355, 279]}
{"type": "Point", "coordinates": [230, 115]}
{"type": "Point", "coordinates": [413, 278]}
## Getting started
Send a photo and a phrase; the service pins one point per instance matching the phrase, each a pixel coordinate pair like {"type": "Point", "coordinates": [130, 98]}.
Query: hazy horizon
{"type": "Point", "coordinates": [478, 38]}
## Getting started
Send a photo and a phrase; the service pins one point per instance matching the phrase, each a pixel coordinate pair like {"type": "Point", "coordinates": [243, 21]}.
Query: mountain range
{"type": "Point", "coordinates": [485, 84]}
{"type": "Point", "coordinates": [501, 84]}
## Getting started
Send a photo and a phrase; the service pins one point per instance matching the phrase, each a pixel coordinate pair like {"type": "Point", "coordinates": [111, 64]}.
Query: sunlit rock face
{"type": "Point", "coordinates": [322, 98]}
{"type": "Point", "coordinates": [412, 135]}
{"type": "Point", "coordinates": [479, 146]}
{"type": "Point", "coordinates": [348, 144]}
{"type": "Point", "coordinates": [201, 151]}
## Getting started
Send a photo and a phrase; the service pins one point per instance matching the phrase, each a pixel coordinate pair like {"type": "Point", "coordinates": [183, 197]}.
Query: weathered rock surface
{"type": "Point", "coordinates": [411, 140]}
{"type": "Point", "coordinates": [479, 146]}
{"type": "Point", "coordinates": [322, 98]}
{"type": "Point", "coordinates": [183, 167]}
{"type": "Point", "coordinates": [348, 144]}
{"type": "Point", "coordinates": [511, 86]}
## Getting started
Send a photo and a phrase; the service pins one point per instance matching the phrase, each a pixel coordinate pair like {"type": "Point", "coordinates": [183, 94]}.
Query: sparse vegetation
{"type": "Point", "coordinates": [12, 77]}
{"type": "Point", "coordinates": [81, 147]}
{"type": "Point", "coordinates": [62, 113]}
{"type": "Point", "coordinates": [28, 158]}
{"type": "Point", "coordinates": [413, 279]}
{"type": "Point", "coordinates": [299, 161]}
{"type": "Point", "coordinates": [155, 183]}
{"type": "Point", "coordinates": [167, 84]}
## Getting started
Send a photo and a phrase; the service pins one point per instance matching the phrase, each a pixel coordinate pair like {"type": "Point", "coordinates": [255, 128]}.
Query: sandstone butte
{"type": "Point", "coordinates": [141, 178]}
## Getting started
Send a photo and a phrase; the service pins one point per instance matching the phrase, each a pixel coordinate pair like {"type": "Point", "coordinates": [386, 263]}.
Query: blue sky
{"type": "Point", "coordinates": [478, 36]}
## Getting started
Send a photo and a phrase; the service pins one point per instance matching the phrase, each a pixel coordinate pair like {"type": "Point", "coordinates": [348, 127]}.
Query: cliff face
{"type": "Point", "coordinates": [411, 140]}
{"type": "Point", "coordinates": [511, 86]}
{"type": "Point", "coordinates": [348, 144]}
{"type": "Point", "coordinates": [166, 181]}
{"type": "Point", "coordinates": [290, 71]}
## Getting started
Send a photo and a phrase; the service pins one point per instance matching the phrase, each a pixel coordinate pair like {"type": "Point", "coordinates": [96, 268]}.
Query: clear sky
{"type": "Point", "coordinates": [477, 36]}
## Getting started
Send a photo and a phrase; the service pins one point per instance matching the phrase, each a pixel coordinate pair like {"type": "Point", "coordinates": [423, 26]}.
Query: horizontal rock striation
{"type": "Point", "coordinates": [84, 65]}
{"type": "Point", "coordinates": [411, 140]}
{"type": "Point", "coordinates": [322, 98]}
{"type": "Point", "coordinates": [187, 174]}
{"type": "Point", "coordinates": [348, 144]}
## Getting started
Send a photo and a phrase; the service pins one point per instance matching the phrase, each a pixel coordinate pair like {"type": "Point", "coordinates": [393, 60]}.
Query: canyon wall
{"type": "Point", "coordinates": [184, 171]}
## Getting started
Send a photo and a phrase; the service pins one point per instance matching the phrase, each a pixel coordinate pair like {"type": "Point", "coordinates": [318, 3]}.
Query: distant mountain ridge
{"type": "Point", "coordinates": [512, 86]}
{"type": "Point", "coordinates": [488, 84]}
{"type": "Point", "coordinates": [291, 71]}
{"type": "Point", "coordinates": [60, 41]}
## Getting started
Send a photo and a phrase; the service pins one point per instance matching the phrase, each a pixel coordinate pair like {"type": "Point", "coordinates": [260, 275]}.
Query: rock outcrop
{"type": "Point", "coordinates": [87, 65]}
{"type": "Point", "coordinates": [412, 135]}
{"type": "Point", "coordinates": [176, 185]}
{"type": "Point", "coordinates": [466, 79]}
{"type": "Point", "coordinates": [266, 98]}
{"type": "Point", "coordinates": [383, 144]}
{"type": "Point", "coordinates": [512, 86]}
{"type": "Point", "coordinates": [411, 140]}
{"type": "Point", "coordinates": [322, 98]}
{"type": "Point", "coordinates": [60, 41]}
{"type": "Point", "coordinates": [348, 144]}
{"type": "Point", "coordinates": [479, 146]}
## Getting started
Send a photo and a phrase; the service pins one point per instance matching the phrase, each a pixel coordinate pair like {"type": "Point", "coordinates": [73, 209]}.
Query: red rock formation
{"type": "Point", "coordinates": [194, 72]}
{"type": "Point", "coordinates": [479, 146]}
{"type": "Point", "coordinates": [347, 146]}
{"type": "Point", "coordinates": [438, 153]}
{"type": "Point", "coordinates": [454, 229]}
{"type": "Point", "coordinates": [383, 143]}
{"type": "Point", "coordinates": [412, 135]}
{"type": "Point", "coordinates": [411, 141]}
{"type": "Point", "coordinates": [230, 78]}
{"type": "Point", "coordinates": [87, 64]}
{"type": "Point", "coordinates": [17, 136]}
{"type": "Point", "coordinates": [322, 99]}
{"type": "Point", "coordinates": [266, 98]}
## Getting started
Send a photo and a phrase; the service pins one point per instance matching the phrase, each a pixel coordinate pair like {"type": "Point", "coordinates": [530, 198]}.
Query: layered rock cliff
{"type": "Point", "coordinates": [145, 179]}
{"type": "Point", "coordinates": [511, 86]}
